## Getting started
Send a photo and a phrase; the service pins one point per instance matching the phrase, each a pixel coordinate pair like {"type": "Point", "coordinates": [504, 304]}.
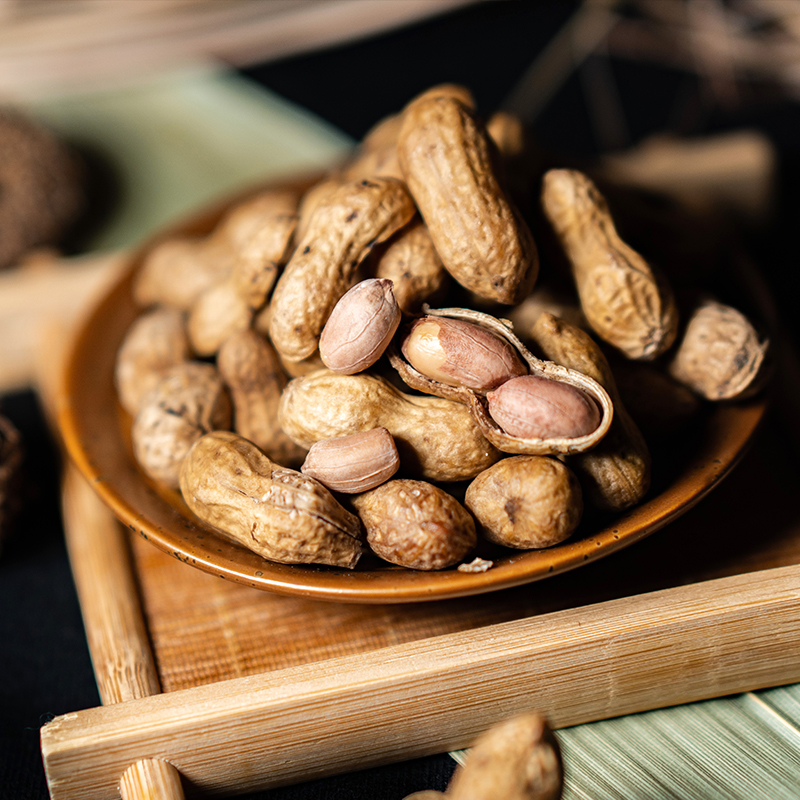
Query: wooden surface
{"type": "Point", "coordinates": [262, 690]}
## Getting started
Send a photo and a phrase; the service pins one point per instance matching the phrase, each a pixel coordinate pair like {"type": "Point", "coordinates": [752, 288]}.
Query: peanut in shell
{"type": "Point", "coordinates": [340, 234]}
{"type": "Point", "coordinates": [446, 158]}
{"type": "Point", "coordinates": [625, 301]}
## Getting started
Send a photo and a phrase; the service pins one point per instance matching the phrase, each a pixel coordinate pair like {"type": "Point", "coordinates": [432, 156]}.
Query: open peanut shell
{"type": "Point", "coordinates": [476, 400]}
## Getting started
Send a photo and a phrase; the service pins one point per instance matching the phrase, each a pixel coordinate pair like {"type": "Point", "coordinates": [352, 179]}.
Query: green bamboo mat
{"type": "Point", "coordinates": [182, 140]}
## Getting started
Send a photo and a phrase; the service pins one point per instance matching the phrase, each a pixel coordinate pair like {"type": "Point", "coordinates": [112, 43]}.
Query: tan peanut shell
{"type": "Point", "coordinates": [354, 463]}
{"type": "Point", "coordinates": [720, 355]}
{"type": "Point", "coordinates": [156, 341]}
{"type": "Point", "coordinates": [177, 271]}
{"type": "Point", "coordinates": [218, 313]}
{"type": "Point", "coordinates": [526, 502]}
{"type": "Point", "coordinates": [339, 235]}
{"type": "Point", "coordinates": [261, 257]}
{"type": "Point", "coordinates": [625, 301]}
{"type": "Point", "coordinates": [187, 402]}
{"type": "Point", "coordinates": [616, 473]}
{"type": "Point", "coordinates": [516, 759]}
{"type": "Point", "coordinates": [252, 372]}
{"type": "Point", "coordinates": [416, 525]}
{"type": "Point", "coordinates": [278, 513]}
{"type": "Point", "coordinates": [476, 401]}
{"type": "Point", "coordinates": [437, 439]}
{"type": "Point", "coordinates": [411, 263]}
{"type": "Point", "coordinates": [376, 156]}
{"type": "Point", "coordinates": [446, 158]}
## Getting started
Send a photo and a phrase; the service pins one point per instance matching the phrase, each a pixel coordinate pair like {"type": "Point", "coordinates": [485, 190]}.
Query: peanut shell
{"type": "Point", "coordinates": [625, 301]}
{"type": "Point", "coordinates": [476, 400]}
{"type": "Point", "coordinates": [446, 158]}
{"type": "Point", "coordinates": [340, 234]}
{"type": "Point", "coordinates": [416, 525]}
{"type": "Point", "coordinates": [720, 355]}
{"type": "Point", "coordinates": [616, 473]}
{"type": "Point", "coordinates": [437, 439]}
{"type": "Point", "coordinates": [278, 513]}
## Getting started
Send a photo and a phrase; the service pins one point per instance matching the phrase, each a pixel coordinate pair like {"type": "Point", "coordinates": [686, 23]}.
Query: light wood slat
{"type": "Point", "coordinates": [436, 695]}
{"type": "Point", "coordinates": [115, 628]}
{"type": "Point", "coordinates": [151, 779]}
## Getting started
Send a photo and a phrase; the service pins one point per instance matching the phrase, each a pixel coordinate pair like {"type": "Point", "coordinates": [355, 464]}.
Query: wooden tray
{"type": "Point", "coordinates": [243, 690]}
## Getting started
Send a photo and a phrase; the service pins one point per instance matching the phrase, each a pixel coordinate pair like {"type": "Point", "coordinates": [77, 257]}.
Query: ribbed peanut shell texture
{"type": "Point", "coordinates": [526, 502]}
{"type": "Point", "coordinates": [188, 401]}
{"type": "Point", "coordinates": [437, 439]}
{"type": "Point", "coordinates": [278, 513]}
{"type": "Point", "coordinates": [447, 162]}
{"type": "Point", "coordinates": [341, 232]}
{"type": "Point", "coordinates": [720, 355]}
{"type": "Point", "coordinates": [476, 402]}
{"type": "Point", "coordinates": [416, 525]}
{"type": "Point", "coordinates": [626, 303]}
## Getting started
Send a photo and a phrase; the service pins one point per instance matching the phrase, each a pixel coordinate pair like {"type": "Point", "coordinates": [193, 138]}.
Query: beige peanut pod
{"type": "Point", "coordinates": [446, 158]}
{"type": "Point", "coordinates": [377, 154]}
{"type": "Point", "coordinates": [720, 355]}
{"type": "Point", "coordinates": [188, 401]}
{"type": "Point", "coordinates": [516, 759]}
{"type": "Point", "coordinates": [354, 463]}
{"type": "Point", "coordinates": [616, 473]}
{"type": "Point", "coordinates": [156, 341]}
{"type": "Point", "coordinates": [437, 439]}
{"type": "Point", "coordinates": [624, 300]}
{"type": "Point", "coordinates": [177, 271]}
{"type": "Point", "coordinates": [218, 313]}
{"type": "Point", "coordinates": [252, 371]}
{"type": "Point", "coordinates": [476, 400]}
{"type": "Point", "coordinates": [411, 263]}
{"type": "Point", "coordinates": [339, 236]}
{"type": "Point", "coordinates": [526, 502]}
{"type": "Point", "coordinates": [416, 525]}
{"type": "Point", "coordinates": [278, 513]}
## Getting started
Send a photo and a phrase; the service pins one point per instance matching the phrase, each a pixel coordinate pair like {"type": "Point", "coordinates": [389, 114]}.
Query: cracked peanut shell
{"type": "Point", "coordinates": [476, 401]}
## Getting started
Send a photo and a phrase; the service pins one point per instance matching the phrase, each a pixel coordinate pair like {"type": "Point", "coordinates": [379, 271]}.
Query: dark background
{"type": "Point", "coordinates": [44, 662]}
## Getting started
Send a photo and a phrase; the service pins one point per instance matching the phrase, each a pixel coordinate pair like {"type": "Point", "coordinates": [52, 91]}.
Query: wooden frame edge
{"type": "Point", "coordinates": [437, 694]}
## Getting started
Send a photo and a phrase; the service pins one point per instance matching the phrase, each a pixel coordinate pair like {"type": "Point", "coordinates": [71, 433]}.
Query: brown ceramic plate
{"type": "Point", "coordinates": [95, 431]}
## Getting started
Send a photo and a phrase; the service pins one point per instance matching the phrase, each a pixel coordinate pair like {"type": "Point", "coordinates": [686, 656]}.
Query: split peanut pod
{"type": "Point", "coordinates": [624, 300]}
{"type": "Point", "coordinates": [554, 377]}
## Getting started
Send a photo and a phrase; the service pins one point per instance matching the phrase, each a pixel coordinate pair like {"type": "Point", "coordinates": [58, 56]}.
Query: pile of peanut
{"type": "Point", "coordinates": [387, 333]}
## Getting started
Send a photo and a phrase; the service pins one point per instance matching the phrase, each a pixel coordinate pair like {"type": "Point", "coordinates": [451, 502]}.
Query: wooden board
{"type": "Point", "coordinates": [261, 690]}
